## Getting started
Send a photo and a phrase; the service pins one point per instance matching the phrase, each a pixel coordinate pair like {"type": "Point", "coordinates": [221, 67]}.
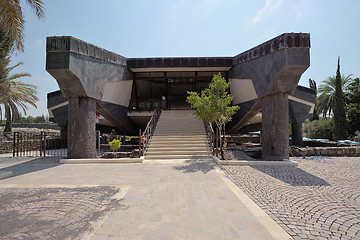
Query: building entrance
{"type": "Point", "coordinates": [167, 90]}
{"type": "Point", "coordinates": [177, 92]}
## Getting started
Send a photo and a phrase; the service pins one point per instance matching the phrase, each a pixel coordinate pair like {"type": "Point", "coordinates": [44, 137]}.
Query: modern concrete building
{"type": "Point", "coordinates": [98, 86]}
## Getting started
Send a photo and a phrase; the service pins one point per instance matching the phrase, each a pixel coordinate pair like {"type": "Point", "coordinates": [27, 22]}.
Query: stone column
{"type": "Point", "coordinates": [275, 127]}
{"type": "Point", "coordinates": [296, 134]}
{"type": "Point", "coordinates": [81, 127]}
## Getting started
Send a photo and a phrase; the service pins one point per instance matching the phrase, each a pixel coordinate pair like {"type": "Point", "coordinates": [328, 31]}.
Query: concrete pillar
{"type": "Point", "coordinates": [275, 127]}
{"type": "Point", "coordinates": [296, 134]}
{"type": "Point", "coordinates": [81, 127]}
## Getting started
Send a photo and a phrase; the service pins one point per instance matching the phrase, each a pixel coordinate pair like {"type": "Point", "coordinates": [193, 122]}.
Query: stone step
{"type": "Point", "coordinates": [176, 148]}
{"type": "Point", "coordinates": [189, 132]}
{"type": "Point", "coordinates": [177, 141]}
{"type": "Point", "coordinates": [178, 157]}
{"type": "Point", "coordinates": [180, 137]}
{"type": "Point", "coordinates": [184, 152]}
{"type": "Point", "coordinates": [178, 144]}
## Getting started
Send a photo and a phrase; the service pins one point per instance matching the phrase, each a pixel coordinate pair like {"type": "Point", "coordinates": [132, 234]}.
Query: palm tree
{"type": "Point", "coordinates": [18, 94]}
{"type": "Point", "coordinates": [325, 100]}
{"type": "Point", "coordinates": [12, 21]}
{"type": "Point", "coordinates": [354, 91]}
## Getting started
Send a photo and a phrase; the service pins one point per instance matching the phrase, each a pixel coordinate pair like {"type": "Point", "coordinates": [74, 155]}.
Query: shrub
{"type": "Point", "coordinates": [357, 136]}
{"type": "Point", "coordinates": [353, 117]}
{"type": "Point", "coordinates": [115, 144]}
{"type": "Point", "coordinates": [318, 128]}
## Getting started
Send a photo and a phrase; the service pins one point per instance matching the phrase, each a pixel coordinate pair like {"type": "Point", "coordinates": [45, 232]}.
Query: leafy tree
{"type": "Point", "coordinates": [318, 129]}
{"type": "Point", "coordinates": [312, 85]}
{"type": "Point", "coordinates": [325, 100]}
{"type": "Point", "coordinates": [212, 105]}
{"type": "Point", "coordinates": [339, 124]}
{"type": "Point", "coordinates": [40, 119]}
{"type": "Point", "coordinates": [12, 21]}
{"type": "Point", "coordinates": [353, 117]}
{"type": "Point", "coordinates": [17, 94]}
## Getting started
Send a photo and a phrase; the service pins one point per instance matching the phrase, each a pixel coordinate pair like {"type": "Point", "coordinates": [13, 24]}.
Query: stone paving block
{"type": "Point", "coordinates": [318, 198]}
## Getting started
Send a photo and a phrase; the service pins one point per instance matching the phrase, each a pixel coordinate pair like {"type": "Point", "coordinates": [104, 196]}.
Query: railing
{"type": "Point", "coordinates": [34, 144]}
{"type": "Point", "coordinates": [145, 137]}
{"type": "Point", "coordinates": [212, 138]}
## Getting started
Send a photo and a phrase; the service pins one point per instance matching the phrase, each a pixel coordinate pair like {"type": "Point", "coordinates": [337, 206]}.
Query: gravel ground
{"type": "Point", "coordinates": [319, 199]}
{"type": "Point", "coordinates": [52, 213]}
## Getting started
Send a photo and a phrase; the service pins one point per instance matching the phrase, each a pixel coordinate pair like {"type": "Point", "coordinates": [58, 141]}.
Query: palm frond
{"type": "Point", "coordinates": [12, 22]}
{"type": "Point", "coordinates": [38, 7]}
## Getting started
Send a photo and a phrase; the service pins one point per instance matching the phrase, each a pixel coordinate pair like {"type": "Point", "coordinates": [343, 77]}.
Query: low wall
{"type": "Point", "coordinates": [6, 147]}
{"type": "Point", "coordinates": [328, 151]}
{"type": "Point", "coordinates": [36, 125]}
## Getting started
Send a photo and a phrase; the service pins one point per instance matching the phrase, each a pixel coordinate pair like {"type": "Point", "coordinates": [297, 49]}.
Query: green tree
{"type": "Point", "coordinates": [325, 100]}
{"type": "Point", "coordinates": [339, 123]}
{"type": "Point", "coordinates": [312, 85]}
{"type": "Point", "coordinates": [212, 105]}
{"type": "Point", "coordinates": [12, 21]}
{"type": "Point", "coordinates": [353, 117]}
{"type": "Point", "coordinates": [17, 95]}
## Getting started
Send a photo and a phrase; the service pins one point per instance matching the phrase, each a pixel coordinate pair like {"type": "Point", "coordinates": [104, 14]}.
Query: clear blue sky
{"type": "Point", "coordinates": [140, 28]}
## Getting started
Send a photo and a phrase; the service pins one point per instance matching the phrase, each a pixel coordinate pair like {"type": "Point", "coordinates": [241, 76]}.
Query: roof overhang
{"type": "Point", "coordinates": [180, 69]}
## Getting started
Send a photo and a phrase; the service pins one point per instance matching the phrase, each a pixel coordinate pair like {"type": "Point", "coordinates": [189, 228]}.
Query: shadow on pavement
{"type": "Point", "coordinates": [293, 176]}
{"type": "Point", "coordinates": [33, 165]}
{"type": "Point", "coordinates": [192, 166]}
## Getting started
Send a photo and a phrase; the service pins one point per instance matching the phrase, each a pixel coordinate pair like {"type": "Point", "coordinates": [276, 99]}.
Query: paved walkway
{"type": "Point", "coordinates": [193, 200]}
{"type": "Point", "coordinates": [319, 199]}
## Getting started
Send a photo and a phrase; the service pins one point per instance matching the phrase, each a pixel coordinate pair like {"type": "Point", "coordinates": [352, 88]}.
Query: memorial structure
{"type": "Point", "coordinates": [100, 87]}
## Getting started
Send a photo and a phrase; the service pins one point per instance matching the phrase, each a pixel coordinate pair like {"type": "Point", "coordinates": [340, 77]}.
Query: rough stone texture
{"type": "Point", "coordinates": [180, 62]}
{"type": "Point", "coordinates": [275, 130]}
{"type": "Point", "coordinates": [52, 213]}
{"type": "Point", "coordinates": [81, 125]}
{"type": "Point", "coordinates": [319, 199]}
{"type": "Point", "coordinates": [273, 73]}
{"type": "Point", "coordinates": [286, 40]}
{"type": "Point", "coordinates": [328, 151]}
{"type": "Point", "coordinates": [82, 69]}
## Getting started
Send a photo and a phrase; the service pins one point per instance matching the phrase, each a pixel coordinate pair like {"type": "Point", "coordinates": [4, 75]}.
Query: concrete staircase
{"type": "Point", "coordinates": [178, 135]}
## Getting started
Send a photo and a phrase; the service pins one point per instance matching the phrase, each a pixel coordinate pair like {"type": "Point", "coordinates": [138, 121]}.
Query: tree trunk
{"type": "Point", "coordinates": [8, 124]}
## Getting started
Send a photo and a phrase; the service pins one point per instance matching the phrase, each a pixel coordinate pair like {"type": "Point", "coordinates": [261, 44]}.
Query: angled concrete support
{"type": "Point", "coordinates": [82, 71]}
{"type": "Point", "coordinates": [81, 126]}
{"type": "Point", "coordinates": [296, 134]}
{"type": "Point", "coordinates": [275, 127]}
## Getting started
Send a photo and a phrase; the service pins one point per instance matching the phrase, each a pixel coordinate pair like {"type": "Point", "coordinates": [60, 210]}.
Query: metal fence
{"type": "Point", "coordinates": [52, 144]}
{"type": "Point", "coordinates": [25, 143]}
{"type": "Point", "coordinates": [129, 145]}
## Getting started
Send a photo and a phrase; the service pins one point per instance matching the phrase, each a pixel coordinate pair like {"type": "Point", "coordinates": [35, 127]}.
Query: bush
{"type": "Point", "coordinates": [115, 144]}
{"type": "Point", "coordinates": [353, 117]}
{"type": "Point", "coordinates": [357, 136]}
{"type": "Point", "coordinates": [318, 128]}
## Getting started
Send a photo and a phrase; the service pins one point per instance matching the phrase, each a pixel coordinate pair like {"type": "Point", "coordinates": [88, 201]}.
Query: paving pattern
{"type": "Point", "coordinates": [52, 213]}
{"type": "Point", "coordinates": [319, 199]}
{"type": "Point", "coordinates": [154, 200]}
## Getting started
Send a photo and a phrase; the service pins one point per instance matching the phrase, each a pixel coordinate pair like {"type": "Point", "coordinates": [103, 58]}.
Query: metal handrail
{"type": "Point", "coordinates": [145, 137]}
{"type": "Point", "coordinates": [211, 136]}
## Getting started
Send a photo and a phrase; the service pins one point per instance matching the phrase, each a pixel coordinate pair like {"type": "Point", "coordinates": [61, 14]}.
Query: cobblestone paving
{"type": "Point", "coordinates": [52, 213]}
{"type": "Point", "coordinates": [319, 199]}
